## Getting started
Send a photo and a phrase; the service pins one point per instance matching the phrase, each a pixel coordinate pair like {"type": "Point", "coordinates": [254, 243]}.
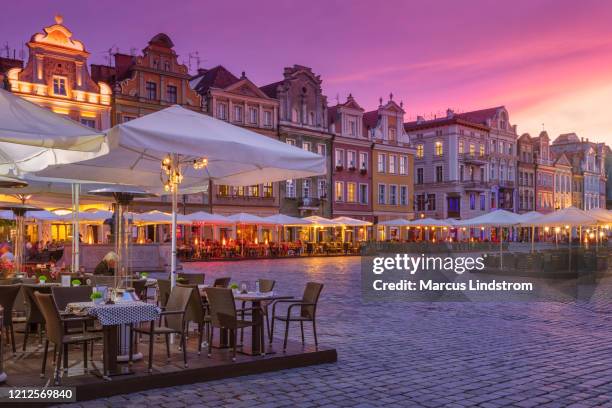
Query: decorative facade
{"type": "Point", "coordinates": [545, 173]}
{"type": "Point", "coordinates": [303, 122]}
{"type": "Point", "coordinates": [56, 77]}
{"type": "Point", "coordinates": [241, 103]}
{"type": "Point", "coordinates": [351, 169]}
{"type": "Point", "coordinates": [392, 166]}
{"type": "Point", "coordinates": [526, 174]}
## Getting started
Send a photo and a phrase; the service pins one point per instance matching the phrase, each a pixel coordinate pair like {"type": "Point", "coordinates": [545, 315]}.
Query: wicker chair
{"type": "Point", "coordinates": [192, 278]}
{"type": "Point", "coordinates": [308, 311]}
{"type": "Point", "coordinates": [223, 316]}
{"type": "Point", "coordinates": [196, 312]}
{"type": "Point", "coordinates": [174, 323]}
{"type": "Point", "coordinates": [56, 333]}
{"type": "Point", "coordinates": [8, 294]}
{"type": "Point", "coordinates": [222, 282]}
{"type": "Point", "coordinates": [34, 316]}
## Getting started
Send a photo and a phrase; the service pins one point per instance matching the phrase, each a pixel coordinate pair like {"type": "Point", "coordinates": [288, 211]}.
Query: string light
{"type": "Point", "coordinates": [171, 172]}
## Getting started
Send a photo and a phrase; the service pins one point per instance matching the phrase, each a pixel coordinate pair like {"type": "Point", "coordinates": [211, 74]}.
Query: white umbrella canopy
{"type": "Point", "coordinates": [204, 217]}
{"type": "Point", "coordinates": [157, 217]}
{"type": "Point", "coordinates": [528, 216]}
{"type": "Point", "coordinates": [97, 216]}
{"type": "Point", "coordinates": [248, 219]}
{"type": "Point", "coordinates": [317, 221]}
{"type": "Point", "coordinates": [601, 214]}
{"type": "Point", "coordinates": [570, 216]}
{"type": "Point", "coordinates": [351, 222]}
{"type": "Point", "coordinates": [497, 218]}
{"type": "Point", "coordinates": [286, 220]}
{"type": "Point", "coordinates": [398, 222]}
{"type": "Point", "coordinates": [32, 138]}
{"type": "Point", "coordinates": [429, 222]}
{"type": "Point", "coordinates": [236, 156]}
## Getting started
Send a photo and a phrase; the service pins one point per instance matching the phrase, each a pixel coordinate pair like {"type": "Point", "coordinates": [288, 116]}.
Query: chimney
{"type": "Point", "coordinates": [420, 119]}
{"type": "Point", "coordinates": [450, 113]}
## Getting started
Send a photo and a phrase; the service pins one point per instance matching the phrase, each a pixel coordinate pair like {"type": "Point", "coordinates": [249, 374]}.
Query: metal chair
{"type": "Point", "coordinates": [308, 311]}
{"type": "Point", "coordinates": [223, 316]}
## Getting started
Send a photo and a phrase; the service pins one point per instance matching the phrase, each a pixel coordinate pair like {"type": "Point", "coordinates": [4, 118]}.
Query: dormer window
{"type": "Point", "coordinates": [392, 134]}
{"type": "Point", "coordinates": [59, 86]}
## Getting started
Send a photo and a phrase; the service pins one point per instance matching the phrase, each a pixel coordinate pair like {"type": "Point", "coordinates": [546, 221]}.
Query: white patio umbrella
{"type": "Point", "coordinates": [193, 149]}
{"type": "Point", "coordinates": [398, 222]}
{"type": "Point", "coordinates": [281, 221]}
{"type": "Point", "coordinates": [351, 222]}
{"type": "Point", "coordinates": [525, 219]}
{"type": "Point", "coordinates": [32, 138]}
{"type": "Point", "coordinates": [204, 217]}
{"type": "Point", "coordinates": [497, 218]}
{"type": "Point", "coordinates": [248, 219]}
{"type": "Point", "coordinates": [429, 222]}
{"type": "Point", "coordinates": [157, 217]}
{"type": "Point", "coordinates": [320, 222]}
{"type": "Point", "coordinates": [601, 214]}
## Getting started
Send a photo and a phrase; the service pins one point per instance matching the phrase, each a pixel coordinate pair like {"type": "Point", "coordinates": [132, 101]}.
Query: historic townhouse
{"type": "Point", "coordinates": [545, 173]}
{"type": "Point", "coordinates": [588, 160]}
{"type": "Point", "coordinates": [562, 182]}
{"type": "Point", "coordinates": [239, 102]}
{"type": "Point", "coordinates": [144, 84]}
{"type": "Point", "coordinates": [451, 177]}
{"type": "Point", "coordinates": [352, 152]}
{"type": "Point", "coordinates": [526, 173]}
{"type": "Point", "coordinates": [303, 122]}
{"type": "Point", "coordinates": [392, 165]}
{"type": "Point", "coordinates": [56, 77]}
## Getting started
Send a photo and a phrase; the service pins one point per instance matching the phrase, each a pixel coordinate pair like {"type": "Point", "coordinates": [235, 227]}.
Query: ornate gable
{"type": "Point", "coordinates": [58, 35]}
{"type": "Point", "coordinates": [247, 88]}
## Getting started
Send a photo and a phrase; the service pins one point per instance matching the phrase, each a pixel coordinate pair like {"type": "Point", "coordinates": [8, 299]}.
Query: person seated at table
{"type": "Point", "coordinates": [107, 265]}
{"type": "Point", "coordinates": [5, 253]}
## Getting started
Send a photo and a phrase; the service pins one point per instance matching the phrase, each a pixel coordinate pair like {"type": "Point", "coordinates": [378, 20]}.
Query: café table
{"type": "Point", "coordinates": [114, 319]}
{"type": "Point", "coordinates": [256, 299]}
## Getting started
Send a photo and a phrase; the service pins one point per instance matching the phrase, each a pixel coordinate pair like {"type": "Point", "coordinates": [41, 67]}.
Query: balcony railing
{"type": "Point", "coordinates": [474, 158]}
{"type": "Point", "coordinates": [310, 202]}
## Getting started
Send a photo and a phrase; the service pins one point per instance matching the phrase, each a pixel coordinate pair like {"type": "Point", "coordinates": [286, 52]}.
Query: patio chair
{"type": "Point", "coordinates": [140, 289]}
{"type": "Point", "coordinates": [35, 317]}
{"type": "Point", "coordinates": [192, 278]}
{"type": "Point", "coordinates": [196, 312]}
{"type": "Point", "coordinates": [308, 311]}
{"type": "Point", "coordinates": [223, 316]}
{"type": "Point", "coordinates": [56, 334]}
{"type": "Point", "coordinates": [163, 291]}
{"type": "Point", "coordinates": [222, 282]}
{"type": "Point", "coordinates": [8, 294]}
{"type": "Point", "coordinates": [174, 322]}
{"type": "Point", "coordinates": [265, 285]}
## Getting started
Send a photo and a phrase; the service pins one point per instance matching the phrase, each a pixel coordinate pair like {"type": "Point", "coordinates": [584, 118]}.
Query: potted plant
{"type": "Point", "coordinates": [339, 167]}
{"type": "Point", "coordinates": [182, 281]}
{"type": "Point", "coordinates": [76, 282]}
{"type": "Point", "coordinates": [96, 297]}
{"type": "Point", "coordinates": [234, 287]}
{"type": "Point", "coordinates": [42, 279]}
{"type": "Point", "coordinates": [144, 275]}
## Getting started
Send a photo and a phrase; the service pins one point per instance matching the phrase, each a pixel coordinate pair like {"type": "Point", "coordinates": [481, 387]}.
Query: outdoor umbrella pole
{"type": "Point", "coordinates": [173, 248]}
{"type": "Point", "coordinates": [532, 238]}
{"type": "Point", "coordinates": [76, 190]}
{"type": "Point", "coordinates": [501, 257]}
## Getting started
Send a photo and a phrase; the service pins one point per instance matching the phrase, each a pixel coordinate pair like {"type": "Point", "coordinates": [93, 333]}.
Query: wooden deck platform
{"type": "Point", "coordinates": [24, 368]}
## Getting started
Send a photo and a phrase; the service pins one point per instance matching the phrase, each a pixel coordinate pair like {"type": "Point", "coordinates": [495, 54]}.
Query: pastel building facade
{"type": "Point", "coordinates": [526, 180]}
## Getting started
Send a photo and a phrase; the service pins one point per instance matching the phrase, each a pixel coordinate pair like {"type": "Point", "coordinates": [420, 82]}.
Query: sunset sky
{"type": "Point", "coordinates": [549, 62]}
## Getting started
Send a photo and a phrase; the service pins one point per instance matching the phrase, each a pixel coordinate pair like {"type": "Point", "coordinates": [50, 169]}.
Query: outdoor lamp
{"type": "Point", "coordinates": [546, 229]}
{"type": "Point", "coordinates": [591, 235]}
{"type": "Point", "coordinates": [557, 229]}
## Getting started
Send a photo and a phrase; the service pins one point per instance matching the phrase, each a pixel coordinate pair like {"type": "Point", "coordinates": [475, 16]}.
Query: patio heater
{"type": "Point", "coordinates": [123, 196]}
{"type": "Point", "coordinates": [19, 211]}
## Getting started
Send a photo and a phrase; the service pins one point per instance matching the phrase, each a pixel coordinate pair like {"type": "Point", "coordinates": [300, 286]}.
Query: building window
{"type": "Point", "coordinates": [382, 194]}
{"type": "Point", "coordinates": [89, 122]}
{"type": "Point", "coordinates": [253, 191]}
{"type": "Point", "coordinates": [339, 158]}
{"type": "Point", "coordinates": [363, 161]}
{"type": "Point", "coordinates": [404, 195]}
{"type": "Point", "coordinates": [472, 201]}
{"type": "Point", "coordinates": [472, 149]}
{"type": "Point", "coordinates": [222, 111]}
{"type": "Point", "coordinates": [482, 150]}
{"type": "Point", "coordinates": [492, 171]}
{"type": "Point", "coordinates": [321, 149]}
{"type": "Point", "coordinates": [128, 118]}
{"type": "Point", "coordinates": [339, 191]}
{"type": "Point", "coordinates": [267, 190]}
{"type": "Point", "coordinates": [420, 202]}
{"type": "Point", "coordinates": [306, 188]}
{"type": "Point", "coordinates": [392, 195]}
{"type": "Point", "coordinates": [267, 118]}
{"type": "Point", "coordinates": [351, 192]}
{"type": "Point", "coordinates": [253, 112]}
{"type": "Point", "coordinates": [171, 94]}
{"type": "Point", "coordinates": [363, 193]}
{"type": "Point", "coordinates": [307, 146]}
{"type": "Point", "coordinates": [392, 134]}
{"type": "Point", "coordinates": [224, 190]}
{"type": "Point", "coordinates": [290, 142]}
{"type": "Point", "coordinates": [59, 86]}
{"type": "Point", "coordinates": [403, 165]}
{"type": "Point", "coordinates": [151, 91]}
{"type": "Point", "coordinates": [461, 169]}
{"type": "Point", "coordinates": [431, 202]}
{"type": "Point", "coordinates": [382, 163]}
{"type": "Point", "coordinates": [439, 148]}
{"type": "Point", "coordinates": [290, 188]}
{"type": "Point", "coordinates": [295, 116]}
{"type": "Point", "coordinates": [352, 127]}
{"type": "Point", "coordinates": [420, 151]}
{"type": "Point", "coordinates": [351, 158]}
{"type": "Point", "coordinates": [237, 113]}
{"type": "Point", "coordinates": [322, 188]}
{"type": "Point", "coordinates": [311, 119]}
{"type": "Point", "coordinates": [483, 202]}
{"type": "Point", "coordinates": [460, 146]}
{"type": "Point", "coordinates": [439, 174]}
{"type": "Point", "coordinates": [420, 177]}
{"type": "Point", "coordinates": [392, 163]}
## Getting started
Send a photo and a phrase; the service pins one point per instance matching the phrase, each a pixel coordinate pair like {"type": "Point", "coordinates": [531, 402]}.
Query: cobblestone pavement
{"type": "Point", "coordinates": [415, 354]}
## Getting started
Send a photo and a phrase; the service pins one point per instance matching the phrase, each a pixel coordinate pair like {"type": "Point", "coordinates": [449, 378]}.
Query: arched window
{"type": "Point", "coordinates": [295, 115]}
{"type": "Point", "coordinates": [311, 119]}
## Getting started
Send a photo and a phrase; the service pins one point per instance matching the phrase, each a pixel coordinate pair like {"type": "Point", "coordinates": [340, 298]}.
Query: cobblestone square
{"type": "Point", "coordinates": [414, 354]}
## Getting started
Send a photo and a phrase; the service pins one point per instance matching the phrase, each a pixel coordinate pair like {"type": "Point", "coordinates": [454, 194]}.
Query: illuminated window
{"type": "Point", "coordinates": [307, 146]}
{"type": "Point", "coordinates": [439, 148]}
{"type": "Point", "coordinates": [351, 192]}
{"type": "Point", "coordinates": [460, 146]}
{"type": "Point", "coordinates": [482, 150]}
{"type": "Point", "coordinates": [61, 232]}
{"type": "Point", "coordinates": [267, 190]}
{"type": "Point", "coordinates": [420, 152]}
{"type": "Point", "coordinates": [472, 149]}
{"type": "Point", "coordinates": [339, 191]}
{"type": "Point", "coordinates": [224, 190]}
{"type": "Point", "coordinates": [253, 191]}
{"type": "Point", "coordinates": [59, 86]}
